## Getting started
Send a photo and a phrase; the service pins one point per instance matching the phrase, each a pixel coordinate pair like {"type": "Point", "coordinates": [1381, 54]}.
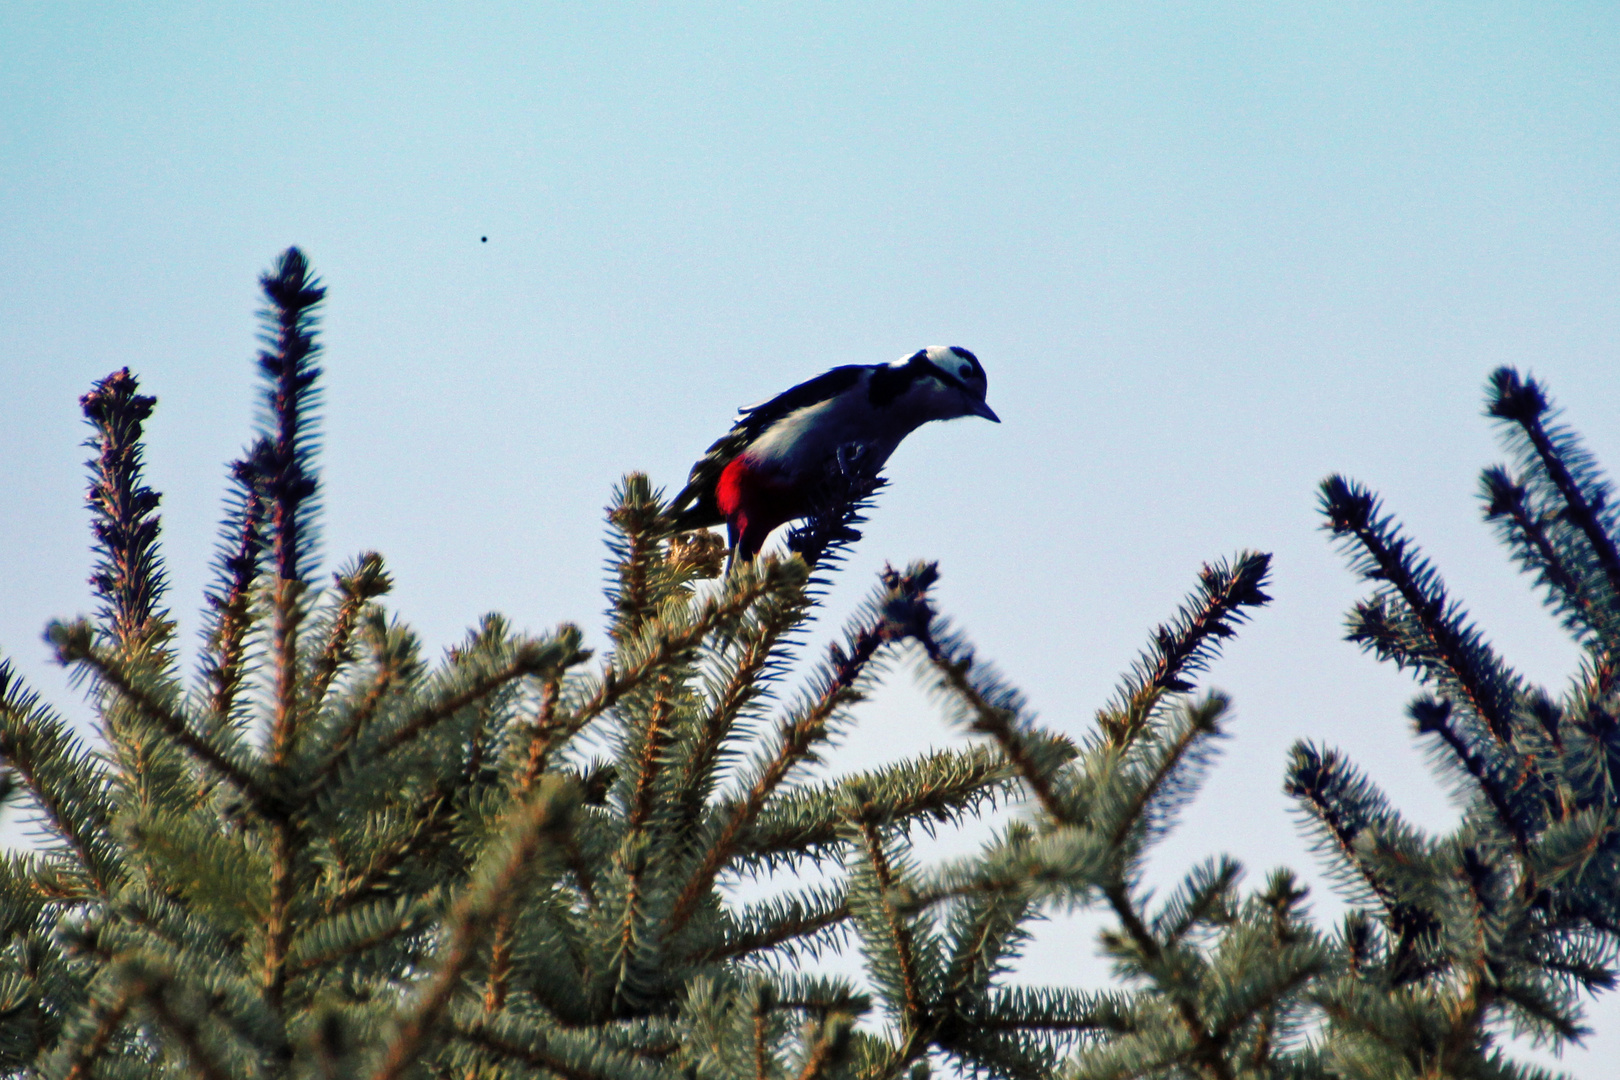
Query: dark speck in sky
{"type": "Point", "coordinates": [483, 239]}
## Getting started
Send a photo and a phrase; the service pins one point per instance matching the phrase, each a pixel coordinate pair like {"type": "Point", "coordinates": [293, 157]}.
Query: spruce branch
{"type": "Point", "coordinates": [153, 989]}
{"type": "Point", "coordinates": [129, 579]}
{"type": "Point", "coordinates": [500, 964]}
{"type": "Point", "coordinates": [353, 932]}
{"type": "Point", "coordinates": [75, 645]}
{"type": "Point", "coordinates": [1204, 897]}
{"type": "Point", "coordinates": [633, 852]}
{"type": "Point", "coordinates": [818, 996]}
{"type": "Point", "coordinates": [278, 931]}
{"type": "Point", "coordinates": [629, 989]}
{"type": "Point", "coordinates": [1453, 651]}
{"type": "Point", "coordinates": [654, 753]}
{"type": "Point", "coordinates": [1166, 784]}
{"type": "Point", "coordinates": [1162, 964]}
{"type": "Point", "coordinates": [1262, 999]}
{"type": "Point", "coordinates": [287, 601]}
{"type": "Point", "coordinates": [765, 629]}
{"type": "Point", "coordinates": [284, 465]}
{"type": "Point", "coordinates": [1056, 865]}
{"type": "Point", "coordinates": [283, 471]}
{"type": "Point", "coordinates": [797, 922]}
{"type": "Point", "coordinates": [669, 645]}
{"type": "Point", "coordinates": [1187, 644]}
{"type": "Point", "coordinates": [62, 776]}
{"type": "Point", "coordinates": [230, 600]}
{"type": "Point", "coordinates": [1538, 1010]}
{"type": "Point", "coordinates": [1432, 716]}
{"type": "Point", "coordinates": [1246, 998]}
{"type": "Point", "coordinates": [358, 584]}
{"type": "Point", "coordinates": [1524, 402]}
{"type": "Point", "coordinates": [428, 820]}
{"type": "Point", "coordinates": [541, 734]}
{"type": "Point", "coordinates": [943, 786]}
{"type": "Point", "coordinates": [997, 714]}
{"type": "Point", "coordinates": [896, 958]}
{"type": "Point", "coordinates": [1063, 1011]}
{"type": "Point", "coordinates": [1590, 975]}
{"type": "Point", "coordinates": [544, 814]}
{"type": "Point", "coordinates": [157, 920]}
{"type": "Point", "coordinates": [1344, 807]}
{"type": "Point", "coordinates": [1527, 533]}
{"type": "Point", "coordinates": [545, 658]}
{"type": "Point", "coordinates": [985, 930]}
{"type": "Point", "coordinates": [832, 1045]}
{"type": "Point", "coordinates": [584, 875]}
{"type": "Point", "coordinates": [762, 1014]}
{"type": "Point", "coordinates": [81, 1059]}
{"type": "Point", "coordinates": [890, 618]}
{"type": "Point", "coordinates": [643, 574]}
{"type": "Point", "coordinates": [394, 666]}
{"type": "Point", "coordinates": [556, 1052]}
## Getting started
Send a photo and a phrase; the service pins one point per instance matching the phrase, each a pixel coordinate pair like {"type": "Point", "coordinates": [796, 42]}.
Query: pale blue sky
{"type": "Point", "coordinates": [1207, 253]}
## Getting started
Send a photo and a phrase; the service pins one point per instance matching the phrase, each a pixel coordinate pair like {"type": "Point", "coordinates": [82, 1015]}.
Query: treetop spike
{"type": "Point", "coordinates": [1515, 398]}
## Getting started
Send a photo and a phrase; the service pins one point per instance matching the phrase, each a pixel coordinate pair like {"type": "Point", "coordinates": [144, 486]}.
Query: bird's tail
{"type": "Point", "coordinates": [702, 515]}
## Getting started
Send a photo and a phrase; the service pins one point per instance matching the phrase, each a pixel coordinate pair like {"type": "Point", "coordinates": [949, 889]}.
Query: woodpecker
{"type": "Point", "coordinates": [766, 470]}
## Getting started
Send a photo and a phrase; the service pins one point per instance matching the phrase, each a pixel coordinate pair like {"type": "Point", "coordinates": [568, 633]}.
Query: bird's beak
{"type": "Point", "coordinates": [979, 408]}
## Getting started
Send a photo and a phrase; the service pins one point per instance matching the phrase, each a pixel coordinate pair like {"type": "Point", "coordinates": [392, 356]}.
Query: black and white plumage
{"type": "Point", "coordinates": [766, 469]}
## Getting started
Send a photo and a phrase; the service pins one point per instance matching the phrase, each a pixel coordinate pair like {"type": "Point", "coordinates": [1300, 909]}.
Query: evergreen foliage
{"type": "Point", "coordinates": [1506, 921]}
{"type": "Point", "coordinates": [329, 855]}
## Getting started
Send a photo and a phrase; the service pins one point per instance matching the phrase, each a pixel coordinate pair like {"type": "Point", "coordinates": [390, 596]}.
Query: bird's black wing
{"type": "Point", "coordinates": [695, 507]}
{"type": "Point", "coordinates": [829, 384]}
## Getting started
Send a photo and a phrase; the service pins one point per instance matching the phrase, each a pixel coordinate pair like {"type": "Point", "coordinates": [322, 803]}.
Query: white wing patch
{"type": "Point", "coordinates": [786, 443]}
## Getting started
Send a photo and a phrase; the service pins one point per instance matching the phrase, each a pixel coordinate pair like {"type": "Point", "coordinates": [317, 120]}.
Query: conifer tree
{"type": "Point", "coordinates": [330, 855]}
{"type": "Point", "coordinates": [1502, 924]}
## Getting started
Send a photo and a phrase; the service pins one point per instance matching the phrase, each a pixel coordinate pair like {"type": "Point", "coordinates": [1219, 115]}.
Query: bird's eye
{"type": "Point", "coordinates": [965, 370]}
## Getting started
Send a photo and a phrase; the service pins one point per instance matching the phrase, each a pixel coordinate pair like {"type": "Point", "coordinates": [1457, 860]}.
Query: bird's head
{"type": "Point", "coordinates": [960, 380]}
